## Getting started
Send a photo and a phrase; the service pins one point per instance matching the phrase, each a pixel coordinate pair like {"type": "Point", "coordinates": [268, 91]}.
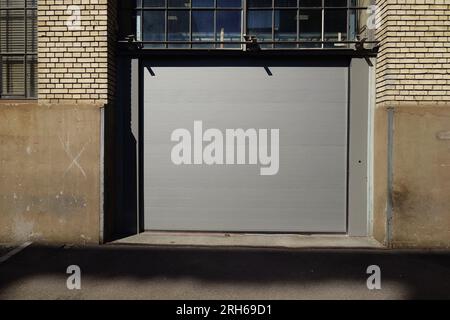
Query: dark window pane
{"type": "Point", "coordinates": [259, 24]}
{"type": "Point", "coordinates": [335, 3]}
{"type": "Point", "coordinates": [31, 3]}
{"type": "Point", "coordinates": [285, 3]}
{"type": "Point", "coordinates": [358, 19]}
{"type": "Point", "coordinates": [12, 3]}
{"type": "Point", "coordinates": [12, 70]}
{"type": "Point", "coordinates": [31, 31]}
{"type": "Point", "coordinates": [31, 77]}
{"type": "Point", "coordinates": [203, 3]}
{"type": "Point", "coordinates": [179, 3]}
{"type": "Point", "coordinates": [203, 28]}
{"type": "Point", "coordinates": [154, 26]}
{"type": "Point", "coordinates": [311, 3]}
{"type": "Point", "coordinates": [229, 27]}
{"type": "Point", "coordinates": [259, 3]}
{"type": "Point", "coordinates": [178, 27]}
{"type": "Point", "coordinates": [285, 27]}
{"type": "Point", "coordinates": [335, 27]}
{"type": "Point", "coordinates": [12, 26]}
{"type": "Point", "coordinates": [310, 26]}
{"type": "Point", "coordinates": [154, 3]}
{"type": "Point", "coordinates": [229, 3]}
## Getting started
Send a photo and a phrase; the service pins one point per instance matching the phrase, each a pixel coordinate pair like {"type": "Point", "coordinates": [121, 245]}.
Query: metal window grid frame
{"type": "Point", "coordinates": [190, 43]}
{"type": "Point", "coordinates": [245, 9]}
{"type": "Point", "coordinates": [26, 54]}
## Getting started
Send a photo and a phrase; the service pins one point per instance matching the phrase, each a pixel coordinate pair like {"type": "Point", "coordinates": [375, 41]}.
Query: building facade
{"type": "Point", "coordinates": [278, 116]}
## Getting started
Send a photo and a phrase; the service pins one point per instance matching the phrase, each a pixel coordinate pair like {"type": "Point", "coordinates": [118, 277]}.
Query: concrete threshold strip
{"type": "Point", "coordinates": [14, 251]}
{"type": "Point", "coordinates": [293, 241]}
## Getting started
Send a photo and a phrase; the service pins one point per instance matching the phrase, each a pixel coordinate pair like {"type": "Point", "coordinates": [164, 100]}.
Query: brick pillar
{"type": "Point", "coordinates": [414, 60]}
{"type": "Point", "coordinates": [73, 51]}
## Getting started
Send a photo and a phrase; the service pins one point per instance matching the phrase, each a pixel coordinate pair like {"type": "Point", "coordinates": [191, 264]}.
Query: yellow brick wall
{"type": "Point", "coordinates": [73, 64]}
{"type": "Point", "coordinates": [414, 60]}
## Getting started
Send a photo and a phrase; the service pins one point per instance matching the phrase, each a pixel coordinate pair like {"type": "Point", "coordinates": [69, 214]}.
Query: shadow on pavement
{"type": "Point", "coordinates": [422, 275]}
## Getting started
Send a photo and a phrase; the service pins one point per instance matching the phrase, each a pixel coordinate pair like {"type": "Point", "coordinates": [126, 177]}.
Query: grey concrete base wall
{"type": "Point", "coordinates": [420, 177]}
{"type": "Point", "coordinates": [380, 172]}
{"type": "Point", "coordinates": [49, 173]}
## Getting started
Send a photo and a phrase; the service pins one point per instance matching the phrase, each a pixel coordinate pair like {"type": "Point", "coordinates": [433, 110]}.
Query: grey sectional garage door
{"type": "Point", "coordinates": [306, 104]}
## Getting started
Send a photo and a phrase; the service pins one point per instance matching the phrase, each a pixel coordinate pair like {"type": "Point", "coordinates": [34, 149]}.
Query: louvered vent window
{"type": "Point", "coordinates": [18, 49]}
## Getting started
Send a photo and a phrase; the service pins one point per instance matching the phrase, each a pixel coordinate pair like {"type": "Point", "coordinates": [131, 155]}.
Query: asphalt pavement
{"type": "Point", "coordinates": [144, 272]}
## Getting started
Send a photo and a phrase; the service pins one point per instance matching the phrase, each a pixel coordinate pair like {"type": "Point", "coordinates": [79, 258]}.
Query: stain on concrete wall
{"type": "Point", "coordinates": [421, 177]}
{"type": "Point", "coordinates": [380, 175]}
{"type": "Point", "coordinates": [421, 181]}
{"type": "Point", "coordinates": [49, 173]}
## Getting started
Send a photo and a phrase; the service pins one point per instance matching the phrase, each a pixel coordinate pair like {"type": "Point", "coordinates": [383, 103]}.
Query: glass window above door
{"type": "Point", "coordinates": [222, 24]}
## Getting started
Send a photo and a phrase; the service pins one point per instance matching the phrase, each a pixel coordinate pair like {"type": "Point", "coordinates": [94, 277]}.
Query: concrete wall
{"type": "Point", "coordinates": [50, 148]}
{"type": "Point", "coordinates": [50, 174]}
{"type": "Point", "coordinates": [421, 179]}
{"type": "Point", "coordinates": [380, 175]}
{"type": "Point", "coordinates": [413, 80]}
